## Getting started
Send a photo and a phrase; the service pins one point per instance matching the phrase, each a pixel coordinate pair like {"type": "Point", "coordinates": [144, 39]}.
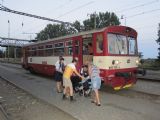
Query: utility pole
{"type": "Point", "coordinates": [15, 52]}
{"type": "Point", "coordinates": [124, 17]}
{"type": "Point", "coordinates": [94, 15]}
{"type": "Point", "coordinates": [95, 20]}
{"type": "Point", "coordinates": [2, 2]}
{"type": "Point", "coordinates": [8, 37]}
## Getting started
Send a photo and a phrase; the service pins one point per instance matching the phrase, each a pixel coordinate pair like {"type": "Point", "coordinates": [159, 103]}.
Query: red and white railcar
{"type": "Point", "coordinates": [114, 52]}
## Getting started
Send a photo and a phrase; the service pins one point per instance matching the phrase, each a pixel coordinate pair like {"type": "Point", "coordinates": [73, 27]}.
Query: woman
{"type": "Point", "coordinates": [59, 73]}
{"type": "Point", "coordinates": [96, 82]}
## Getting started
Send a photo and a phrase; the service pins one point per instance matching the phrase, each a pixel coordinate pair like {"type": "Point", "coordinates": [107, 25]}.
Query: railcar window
{"type": "Point", "coordinates": [69, 49]}
{"type": "Point", "coordinates": [29, 51]}
{"type": "Point", "coordinates": [32, 51]}
{"type": "Point", "coordinates": [59, 49]}
{"type": "Point", "coordinates": [86, 42]}
{"type": "Point", "coordinates": [68, 43]}
{"type": "Point", "coordinates": [117, 44]}
{"type": "Point", "coordinates": [99, 43]}
{"type": "Point", "coordinates": [132, 46]}
{"type": "Point", "coordinates": [40, 51]}
{"type": "Point", "coordinates": [26, 52]}
{"type": "Point", "coordinates": [49, 50]}
{"type": "Point", "coordinates": [77, 51]}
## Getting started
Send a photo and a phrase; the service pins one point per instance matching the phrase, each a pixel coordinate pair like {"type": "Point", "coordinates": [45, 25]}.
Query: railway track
{"type": "Point", "coordinates": [149, 79]}
{"type": "Point", "coordinates": [3, 114]}
{"type": "Point", "coordinates": [16, 66]}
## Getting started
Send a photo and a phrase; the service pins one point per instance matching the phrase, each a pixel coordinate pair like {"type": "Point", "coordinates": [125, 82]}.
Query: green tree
{"type": "Point", "coordinates": [55, 30]}
{"type": "Point", "coordinates": [158, 41]}
{"type": "Point", "coordinates": [140, 54]}
{"type": "Point", "coordinates": [100, 20]}
{"type": "Point", "coordinates": [77, 25]}
{"type": "Point", "coordinates": [95, 21]}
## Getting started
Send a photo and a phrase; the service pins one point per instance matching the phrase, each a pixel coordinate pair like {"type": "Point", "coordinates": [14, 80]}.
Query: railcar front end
{"type": "Point", "coordinates": [120, 60]}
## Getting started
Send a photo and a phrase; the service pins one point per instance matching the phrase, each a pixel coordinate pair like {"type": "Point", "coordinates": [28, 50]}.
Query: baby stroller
{"type": "Point", "coordinates": [82, 87]}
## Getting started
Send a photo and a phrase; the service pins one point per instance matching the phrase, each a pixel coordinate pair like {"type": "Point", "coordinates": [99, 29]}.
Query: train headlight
{"type": "Point", "coordinates": [115, 62]}
{"type": "Point", "coordinates": [137, 62]}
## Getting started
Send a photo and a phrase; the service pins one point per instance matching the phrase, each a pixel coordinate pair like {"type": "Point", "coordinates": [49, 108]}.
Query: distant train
{"type": "Point", "coordinates": [114, 51]}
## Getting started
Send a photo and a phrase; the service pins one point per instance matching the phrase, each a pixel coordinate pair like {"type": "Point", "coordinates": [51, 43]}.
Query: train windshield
{"type": "Point", "coordinates": [132, 46]}
{"type": "Point", "coordinates": [117, 44]}
{"type": "Point", "coordinates": [120, 44]}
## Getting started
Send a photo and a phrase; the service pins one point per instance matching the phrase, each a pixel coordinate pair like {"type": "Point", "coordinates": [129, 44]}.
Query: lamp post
{"type": "Point", "coordinates": [95, 20]}
{"type": "Point", "coordinates": [94, 15]}
{"type": "Point", "coordinates": [8, 37]}
{"type": "Point", "coordinates": [124, 17]}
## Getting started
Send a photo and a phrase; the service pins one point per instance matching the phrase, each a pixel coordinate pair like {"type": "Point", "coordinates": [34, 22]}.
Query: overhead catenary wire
{"type": "Point", "coordinates": [126, 8]}
{"type": "Point", "coordinates": [3, 8]}
{"type": "Point", "coordinates": [138, 6]}
{"type": "Point", "coordinates": [145, 12]}
{"type": "Point", "coordinates": [73, 10]}
{"type": "Point", "coordinates": [62, 5]}
{"type": "Point", "coordinates": [57, 8]}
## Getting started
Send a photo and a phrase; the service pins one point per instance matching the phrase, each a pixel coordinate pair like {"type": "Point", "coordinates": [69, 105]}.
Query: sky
{"type": "Point", "coordinates": [142, 15]}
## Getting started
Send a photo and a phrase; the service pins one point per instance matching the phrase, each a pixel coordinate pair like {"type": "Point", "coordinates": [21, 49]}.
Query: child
{"type": "Point", "coordinates": [84, 71]}
{"type": "Point", "coordinates": [59, 73]}
{"type": "Point", "coordinates": [87, 81]}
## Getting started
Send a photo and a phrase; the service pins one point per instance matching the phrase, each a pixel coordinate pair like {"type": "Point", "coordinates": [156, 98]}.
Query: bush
{"type": "Point", "coordinates": [151, 64]}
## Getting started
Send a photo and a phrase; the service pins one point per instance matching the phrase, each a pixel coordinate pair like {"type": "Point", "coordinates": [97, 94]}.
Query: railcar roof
{"type": "Point", "coordinates": [67, 36]}
{"type": "Point", "coordinates": [74, 35]}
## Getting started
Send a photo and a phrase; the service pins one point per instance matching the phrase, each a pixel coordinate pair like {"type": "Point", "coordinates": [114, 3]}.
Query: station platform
{"type": "Point", "coordinates": [151, 76]}
{"type": "Point", "coordinates": [114, 107]}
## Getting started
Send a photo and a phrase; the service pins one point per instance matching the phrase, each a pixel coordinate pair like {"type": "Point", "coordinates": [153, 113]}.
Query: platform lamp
{"type": "Point", "coordinates": [8, 37]}
{"type": "Point", "coordinates": [124, 17]}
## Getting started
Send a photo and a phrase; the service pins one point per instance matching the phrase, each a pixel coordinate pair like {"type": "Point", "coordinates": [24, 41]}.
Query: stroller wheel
{"type": "Point", "coordinates": [81, 93]}
{"type": "Point", "coordinates": [76, 89]}
{"type": "Point", "coordinates": [87, 93]}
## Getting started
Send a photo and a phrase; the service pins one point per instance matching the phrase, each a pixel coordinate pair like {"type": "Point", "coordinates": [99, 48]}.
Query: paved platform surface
{"type": "Point", "coordinates": [114, 107]}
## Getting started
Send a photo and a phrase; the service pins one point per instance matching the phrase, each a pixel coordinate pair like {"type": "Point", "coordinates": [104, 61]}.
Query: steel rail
{"type": "Point", "coordinates": [5, 116]}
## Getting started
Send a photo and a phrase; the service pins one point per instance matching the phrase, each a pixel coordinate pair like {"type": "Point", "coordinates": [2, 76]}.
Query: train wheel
{"type": "Point", "coordinates": [31, 70]}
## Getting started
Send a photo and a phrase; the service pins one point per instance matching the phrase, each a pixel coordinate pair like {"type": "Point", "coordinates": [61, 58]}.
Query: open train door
{"type": "Point", "coordinates": [77, 50]}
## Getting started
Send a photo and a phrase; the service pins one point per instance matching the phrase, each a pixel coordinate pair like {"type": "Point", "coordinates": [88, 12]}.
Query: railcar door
{"type": "Point", "coordinates": [88, 50]}
{"type": "Point", "coordinates": [98, 48]}
{"type": "Point", "coordinates": [98, 44]}
{"type": "Point", "coordinates": [25, 57]}
{"type": "Point", "coordinates": [77, 50]}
